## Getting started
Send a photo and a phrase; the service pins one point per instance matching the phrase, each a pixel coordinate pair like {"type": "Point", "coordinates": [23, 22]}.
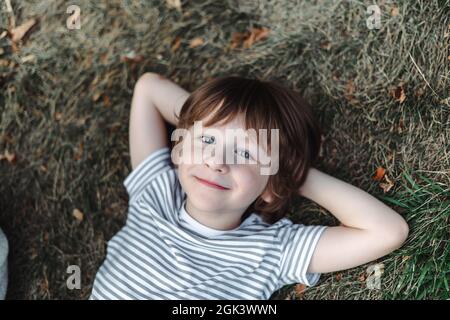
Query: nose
{"type": "Point", "coordinates": [216, 161]}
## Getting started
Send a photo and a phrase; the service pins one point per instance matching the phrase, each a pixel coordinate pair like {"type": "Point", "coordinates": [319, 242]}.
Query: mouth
{"type": "Point", "coordinates": [211, 184]}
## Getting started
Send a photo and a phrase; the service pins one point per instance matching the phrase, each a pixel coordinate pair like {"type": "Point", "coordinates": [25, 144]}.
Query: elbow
{"type": "Point", "coordinates": [399, 234]}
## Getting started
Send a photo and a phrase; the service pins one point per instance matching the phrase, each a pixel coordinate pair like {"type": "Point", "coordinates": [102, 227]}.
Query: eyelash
{"type": "Point", "coordinates": [201, 137]}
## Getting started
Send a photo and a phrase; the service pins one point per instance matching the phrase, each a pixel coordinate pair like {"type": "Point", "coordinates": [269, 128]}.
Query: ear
{"type": "Point", "coordinates": [267, 196]}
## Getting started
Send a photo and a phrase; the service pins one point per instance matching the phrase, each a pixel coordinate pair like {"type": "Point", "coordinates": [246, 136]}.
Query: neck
{"type": "Point", "coordinates": [217, 220]}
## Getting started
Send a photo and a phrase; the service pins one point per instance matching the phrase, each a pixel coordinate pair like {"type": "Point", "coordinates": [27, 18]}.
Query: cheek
{"type": "Point", "coordinates": [250, 179]}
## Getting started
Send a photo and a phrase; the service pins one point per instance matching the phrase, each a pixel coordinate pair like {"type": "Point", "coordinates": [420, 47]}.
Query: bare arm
{"type": "Point", "coordinates": [155, 99]}
{"type": "Point", "coordinates": [370, 228]}
{"type": "Point", "coordinates": [167, 96]}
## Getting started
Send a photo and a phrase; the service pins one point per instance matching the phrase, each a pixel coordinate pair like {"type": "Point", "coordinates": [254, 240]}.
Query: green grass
{"type": "Point", "coordinates": [72, 149]}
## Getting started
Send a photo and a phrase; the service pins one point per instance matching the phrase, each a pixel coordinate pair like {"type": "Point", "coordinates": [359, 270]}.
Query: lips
{"type": "Point", "coordinates": [211, 184]}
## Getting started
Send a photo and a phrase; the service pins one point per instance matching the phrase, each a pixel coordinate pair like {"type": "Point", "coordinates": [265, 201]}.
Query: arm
{"type": "Point", "coordinates": [155, 99]}
{"type": "Point", "coordinates": [370, 228]}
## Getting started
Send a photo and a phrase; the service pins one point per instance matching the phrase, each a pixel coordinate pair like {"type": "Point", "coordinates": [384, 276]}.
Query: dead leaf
{"type": "Point", "coordinates": [379, 174]}
{"type": "Point", "coordinates": [386, 186]}
{"type": "Point", "coordinates": [256, 34]}
{"type": "Point", "coordinates": [78, 214]}
{"type": "Point", "coordinates": [362, 277]}
{"type": "Point", "coordinates": [196, 42]}
{"type": "Point", "coordinates": [339, 277]}
{"type": "Point", "coordinates": [174, 4]}
{"type": "Point", "coordinates": [131, 57]}
{"type": "Point", "coordinates": [401, 126]}
{"type": "Point", "coordinates": [114, 210]}
{"type": "Point", "coordinates": [96, 96]}
{"type": "Point", "coordinates": [57, 116]}
{"type": "Point", "coordinates": [29, 58]}
{"type": "Point", "coordinates": [176, 44]}
{"type": "Point", "coordinates": [6, 137]}
{"type": "Point", "coordinates": [19, 32]}
{"type": "Point", "coordinates": [114, 127]}
{"type": "Point", "coordinates": [398, 93]}
{"type": "Point", "coordinates": [248, 38]}
{"type": "Point", "coordinates": [10, 157]}
{"type": "Point", "coordinates": [104, 57]}
{"type": "Point", "coordinates": [79, 152]}
{"type": "Point", "coordinates": [237, 38]}
{"type": "Point", "coordinates": [349, 92]}
{"type": "Point", "coordinates": [326, 45]}
{"type": "Point", "coordinates": [394, 12]}
{"type": "Point", "coordinates": [299, 290]}
{"type": "Point", "coordinates": [106, 101]}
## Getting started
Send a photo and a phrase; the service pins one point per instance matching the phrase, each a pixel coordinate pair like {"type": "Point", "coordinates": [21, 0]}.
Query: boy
{"type": "Point", "coordinates": [216, 229]}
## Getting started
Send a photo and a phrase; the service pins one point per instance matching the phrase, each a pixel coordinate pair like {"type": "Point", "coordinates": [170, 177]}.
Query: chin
{"type": "Point", "coordinates": [202, 204]}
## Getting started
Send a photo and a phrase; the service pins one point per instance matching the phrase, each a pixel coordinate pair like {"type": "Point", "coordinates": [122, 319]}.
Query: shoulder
{"type": "Point", "coordinates": [155, 170]}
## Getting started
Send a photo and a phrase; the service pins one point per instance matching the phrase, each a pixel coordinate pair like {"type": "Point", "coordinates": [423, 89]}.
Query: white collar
{"type": "Point", "coordinates": [201, 228]}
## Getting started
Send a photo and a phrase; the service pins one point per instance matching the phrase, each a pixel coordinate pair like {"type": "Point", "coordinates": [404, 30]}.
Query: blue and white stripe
{"type": "Point", "coordinates": [160, 255]}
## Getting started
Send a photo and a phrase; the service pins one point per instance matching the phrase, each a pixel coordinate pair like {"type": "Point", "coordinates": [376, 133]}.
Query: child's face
{"type": "Point", "coordinates": [242, 182]}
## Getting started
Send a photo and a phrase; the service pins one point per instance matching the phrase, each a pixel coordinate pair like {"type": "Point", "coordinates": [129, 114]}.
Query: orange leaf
{"type": "Point", "coordinates": [299, 290]}
{"type": "Point", "coordinates": [379, 174]}
{"type": "Point", "coordinates": [349, 90]}
{"type": "Point", "coordinates": [19, 32]}
{"type": "Point", "coordinates": [248, 38]}
{"type": "Point", "coordinates": [237, 38]}
{"type": "Point", "coordinates": [196, 42]}
{"type": "Point", "coordinates": [176, 44]}
{"type": "Point", "coordinates": [256, 34]}
{"type": "Point", "coordinates": [398, 93]}
{"type": "Point", "coordinates": [106, 101]}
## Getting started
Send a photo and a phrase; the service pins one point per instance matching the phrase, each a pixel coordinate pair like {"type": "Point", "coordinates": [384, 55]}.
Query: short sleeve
{"type": "Point", "coordinates": [298, 243]}
{"type": "Point", "coordinates": [156, 163]}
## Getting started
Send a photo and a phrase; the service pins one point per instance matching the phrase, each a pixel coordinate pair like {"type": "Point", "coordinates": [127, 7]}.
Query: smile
{"type": "Point", "coordinates": [210, 184]}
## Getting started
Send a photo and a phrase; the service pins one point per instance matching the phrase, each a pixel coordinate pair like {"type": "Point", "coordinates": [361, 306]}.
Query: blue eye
{"type": "Point", "coordinates": [211, 140]}
{"type": "Point", "coordinates": [207, 139]}
{"type": "Point", "coordinates": [246, 154]}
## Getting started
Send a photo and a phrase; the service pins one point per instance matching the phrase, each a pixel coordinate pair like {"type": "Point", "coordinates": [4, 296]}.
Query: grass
{"type": "Point", "coordinates": [65, 117]}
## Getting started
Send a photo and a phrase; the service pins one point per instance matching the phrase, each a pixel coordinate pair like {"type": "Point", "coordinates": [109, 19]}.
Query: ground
{"type": "Point", "coordinates": [381, 92]}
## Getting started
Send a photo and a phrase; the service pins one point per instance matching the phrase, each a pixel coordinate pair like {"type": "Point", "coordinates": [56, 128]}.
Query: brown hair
{"type": "Point", "coordinates": [265, 105]}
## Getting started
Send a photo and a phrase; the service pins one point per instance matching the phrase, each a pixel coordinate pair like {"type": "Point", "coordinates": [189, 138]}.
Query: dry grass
{"type": "Point", "coordinates": [65, 117]}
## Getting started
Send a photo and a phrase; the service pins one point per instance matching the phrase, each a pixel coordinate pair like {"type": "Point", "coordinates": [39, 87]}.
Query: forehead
{"type": "Point", "coordinates": [233, 128]}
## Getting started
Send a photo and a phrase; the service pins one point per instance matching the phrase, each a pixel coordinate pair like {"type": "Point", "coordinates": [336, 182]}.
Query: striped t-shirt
{"type": "Point", "coordinates": [164, 253]}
